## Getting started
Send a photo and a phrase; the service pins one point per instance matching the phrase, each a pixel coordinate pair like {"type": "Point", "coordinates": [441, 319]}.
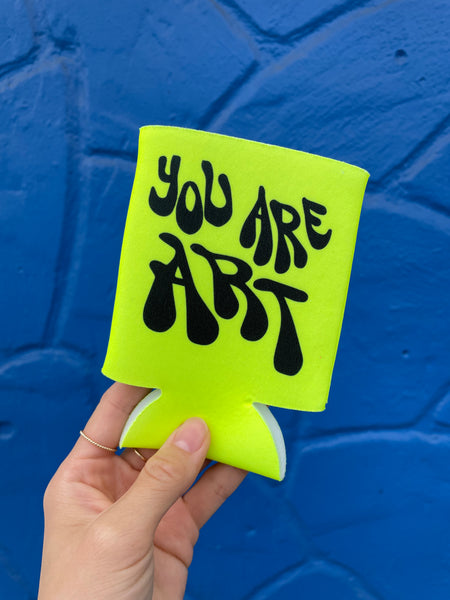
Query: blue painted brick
{"type": "Point", "coordinates": [314, 580]}
{"type": "Point", "coordinates": [377, 502]}
{"type": "Point", "coordinates": [169, 65]}
{"type": "Point", "coordinates": [345, 94]}
{"type": "Point", "coordinates": [106, 192]}
{"type": "Point", "coordinates": [45, 397]}
{"type": "Point", "coordinates": [390, 379]}
{"type": "Point", "coordinates": [427, 180]}
{"type": "Point", "coordinates": [290, 16]}
{"type": "Point", "coordinates": [33, 175]}
{"type": "Point", "coordinates": [257, 543]}
{"type": "Point", "coordinates": [16, 35]}
{"type": "Point", "coordinates": [11, 582]}
{"type": "Point", "coordinates": [442, 412]}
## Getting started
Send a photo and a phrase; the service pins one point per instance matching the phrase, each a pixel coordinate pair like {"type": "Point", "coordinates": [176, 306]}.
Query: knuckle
{"type": "Point", "coordinates": [109, 398]}
{"type": "Point", "coordinates": [221, 492]}
{"type": "Point", "coordinates": [163, 470]}
{"type": "Point", "coordinates": [169, 540]}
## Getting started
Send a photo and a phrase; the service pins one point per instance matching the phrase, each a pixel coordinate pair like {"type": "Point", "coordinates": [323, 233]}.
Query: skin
{"type": "Point", "coordinates": [119, 527]}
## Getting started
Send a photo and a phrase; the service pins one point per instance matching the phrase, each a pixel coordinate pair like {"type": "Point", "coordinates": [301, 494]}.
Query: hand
{"type": "Point", "coordinates": [119, 527]}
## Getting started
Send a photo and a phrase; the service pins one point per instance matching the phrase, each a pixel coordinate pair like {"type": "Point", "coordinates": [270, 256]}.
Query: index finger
{"type": "Point", "coordinates": [107, 421]}
{"type": "Point", "coordinates": [211, 491]}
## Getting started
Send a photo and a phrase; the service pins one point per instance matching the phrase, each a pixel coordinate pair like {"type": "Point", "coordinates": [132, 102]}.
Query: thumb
{"type": "Point", "coordinates": [164, 478]}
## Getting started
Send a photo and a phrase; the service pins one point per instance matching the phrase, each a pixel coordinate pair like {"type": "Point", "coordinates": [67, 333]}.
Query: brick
{"type": "Point", "coordinates": [168, 65]}
{"type": "Point", "coordinates": [377, 503]}
{"type": "Point", "coordinates": [289, 16]}
{"type": "Point", "coordinates": [385, 93]}
{"type": "Point", "coordinates": [16, 36]}
{"type": "Point", "coordinates": [107, 186]}
{"type": "Point", "coordinates": [9, 585]}
{"type": "Point", "coordinates": [442, 412]}
{"type": "Point", "coordinates": [427, 179]}
{"type": "Point", "coordinates": [394, 347]}
{"type": "Point", "coordinates": [46, 397]}
{"type": "Point", "coordinates": [32, 191]}
{"type": "Point", "coordinates": [255, 537]}
{"type": "Point", "coordinates": [314, 579]}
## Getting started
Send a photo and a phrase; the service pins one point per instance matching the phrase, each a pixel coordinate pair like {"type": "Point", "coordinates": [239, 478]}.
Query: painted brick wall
{"type": "Point", "coordinates": [364, 512]}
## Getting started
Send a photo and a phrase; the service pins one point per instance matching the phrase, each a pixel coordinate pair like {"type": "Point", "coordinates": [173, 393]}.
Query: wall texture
{"type": "Point", "coordinates": [364, 512]}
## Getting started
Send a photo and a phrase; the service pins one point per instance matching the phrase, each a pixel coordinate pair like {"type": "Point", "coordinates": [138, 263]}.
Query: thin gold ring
{"type": "Point", "coordinates": [96, 443]}
{"type": "Point", "coordinates": [136, 451]}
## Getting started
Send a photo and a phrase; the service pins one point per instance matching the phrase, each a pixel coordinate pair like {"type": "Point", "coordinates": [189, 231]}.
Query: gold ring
{"type": "Point", "coordinates": [136, 451]}
{"type": "Point", "coordinates": [96, 443]}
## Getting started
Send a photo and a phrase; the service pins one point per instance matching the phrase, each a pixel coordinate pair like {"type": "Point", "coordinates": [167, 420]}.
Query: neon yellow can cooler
{"type": "Point", "coordinates": [233, 277]}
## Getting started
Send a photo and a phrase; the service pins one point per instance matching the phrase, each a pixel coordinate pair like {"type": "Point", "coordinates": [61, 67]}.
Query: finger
{"type": "Point", "coordinates": [137, 457]}
{"type": "Point", "coordinates": [163, 479]}
{"type": "Point", "coordinates": [135, 460]}
{"type": "Point", "coordinates": [211, 491]}
{"type": "Point", "coordinates": [107, 421]}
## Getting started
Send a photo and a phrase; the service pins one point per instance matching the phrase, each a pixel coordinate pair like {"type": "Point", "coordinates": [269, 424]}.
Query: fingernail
{"type": "Point", "coordinates": [191, 435]}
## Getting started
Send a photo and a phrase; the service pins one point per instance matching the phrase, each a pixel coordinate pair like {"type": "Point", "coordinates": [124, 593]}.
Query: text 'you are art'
{"type": "Point", "coordinates": [269, 229]}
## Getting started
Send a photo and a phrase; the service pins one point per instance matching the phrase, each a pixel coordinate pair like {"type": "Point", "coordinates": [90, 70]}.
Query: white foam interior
{"type": "Point", "coordinates": [142, 405]}
{"type": "Point", "coordinates": [276, 433]}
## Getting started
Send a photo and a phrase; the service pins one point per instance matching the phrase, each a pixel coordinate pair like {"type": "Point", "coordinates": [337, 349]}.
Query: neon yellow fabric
{"type": "Point", "coordinates": [258, 241]}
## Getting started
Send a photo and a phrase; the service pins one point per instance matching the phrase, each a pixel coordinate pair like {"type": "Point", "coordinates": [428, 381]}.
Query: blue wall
{"type": "Point", "coordinates": [364, 512]}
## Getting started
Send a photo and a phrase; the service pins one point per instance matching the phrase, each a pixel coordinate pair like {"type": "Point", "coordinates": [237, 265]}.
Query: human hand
{"type": "Point", "coordinates": [121, 528]}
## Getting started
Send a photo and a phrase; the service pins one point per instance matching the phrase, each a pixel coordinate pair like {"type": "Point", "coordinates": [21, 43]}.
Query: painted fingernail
{"type": "Point", "coordinates": [191, 435]}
